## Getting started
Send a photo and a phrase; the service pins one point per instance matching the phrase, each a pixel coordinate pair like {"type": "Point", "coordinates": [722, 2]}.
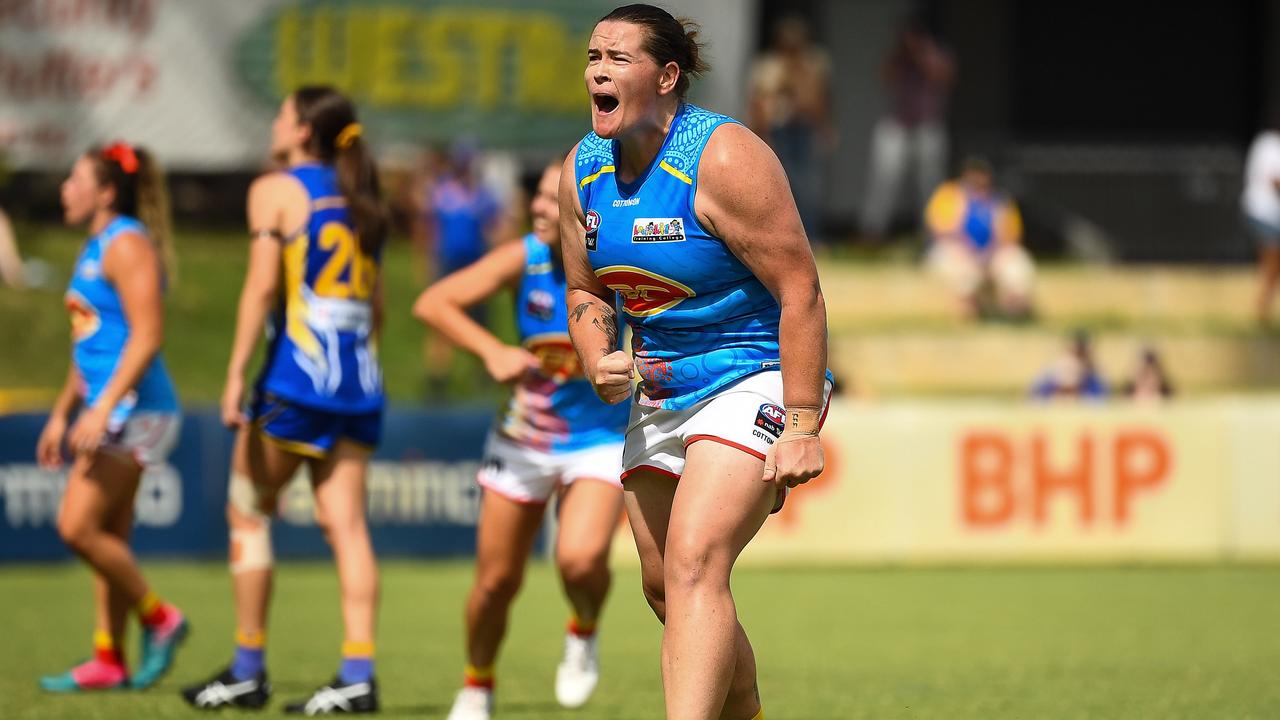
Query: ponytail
{"type": "Point", "coordinates": [337, 138]}
{"type": "Point", "coordinates": [358, 181]}
{"type": "Point", "coordinates": [142, 193]}
{"type": "Point", "coordinates": [153, 211]}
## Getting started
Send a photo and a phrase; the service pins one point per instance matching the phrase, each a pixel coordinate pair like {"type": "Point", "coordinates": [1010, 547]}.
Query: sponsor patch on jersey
{"type": "Point", "coordinates": [771, 418]}
{"type": "Point", "coordinates": [540, 304]}
{"type": "Point", "coordinates": [643, 293]}
{"type": "Point", "coordinates": [593, 229]}
{"type": "Point", "coordinates": [627, 202]}
{"type": "Point", "coordinates": [645, 230]}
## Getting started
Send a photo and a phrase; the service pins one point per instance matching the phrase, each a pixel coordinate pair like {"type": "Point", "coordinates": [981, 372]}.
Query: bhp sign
{"type": "Point", "coordinates": [1010, 477]}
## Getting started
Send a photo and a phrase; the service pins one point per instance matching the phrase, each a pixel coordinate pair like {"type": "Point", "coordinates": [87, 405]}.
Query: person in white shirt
{"type": "Point", "coordinates": [1261, 205]}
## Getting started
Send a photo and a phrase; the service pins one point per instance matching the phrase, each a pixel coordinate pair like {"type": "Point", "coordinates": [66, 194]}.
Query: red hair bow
{"type": "Point", "coordinates": [123, 154]}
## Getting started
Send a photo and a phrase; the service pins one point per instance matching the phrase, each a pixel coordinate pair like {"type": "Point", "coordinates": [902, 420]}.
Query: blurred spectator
{"type": "Point", "coordinates": [1072, 374]}
{"type": "Point", "coordinates": [975, 235]}
{"type": "Point", "coordinates": [10, 260]}
{"type": "Point", "coordinates": [1261, 204]}
{"type": "Point", "coordinates": [917, 75]}
{"type": "Point", "coordinates": [1150, 382]}
{"type": "Point", "coordinates": [459, 219]}
{"type": "Point", "coordinates": [790, 107]}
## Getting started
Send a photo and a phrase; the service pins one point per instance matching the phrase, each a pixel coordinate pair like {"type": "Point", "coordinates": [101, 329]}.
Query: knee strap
{"type": "Point", "coordinates": [250, 546]}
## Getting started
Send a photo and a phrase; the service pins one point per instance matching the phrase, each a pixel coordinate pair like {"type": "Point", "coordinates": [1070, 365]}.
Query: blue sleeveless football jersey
{"type": "Point", "coordinates": [322, 354]}
{"type": "Point", "coordinates": [99, 331]}
{"type": "Point", "coordinates": [700, 319]}
{"type": "Point", "coordinates": [554, 408]}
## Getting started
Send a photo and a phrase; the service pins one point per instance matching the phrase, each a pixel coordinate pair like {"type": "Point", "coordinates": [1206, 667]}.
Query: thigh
{"type": "Point", "coordinates": [338, 481]}
{"type": "Point", "coordinates": [505, 534]}
{"type": "Point", "coordinates": [719, 505]}
{"type": "Point", "coordinates": [588, 512]}
{"type": "Point", "coordinates": [648, 498]}
{"type": "Point", "coordinates": [100, 486]}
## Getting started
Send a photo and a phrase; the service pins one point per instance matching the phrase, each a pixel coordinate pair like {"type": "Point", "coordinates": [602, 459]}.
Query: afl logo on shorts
{"type": "Point", "coordinates": [771, 418]}
{"type": "Point", "coordinates": [593, 229]}
{"type": "Point", "coordinates": [643, 293]}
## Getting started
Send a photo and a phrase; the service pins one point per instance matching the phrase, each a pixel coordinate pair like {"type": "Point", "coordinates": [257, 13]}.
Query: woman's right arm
{"type": "Point", "coordinates": [261, 283]}
{"type": "Point", "coordinates": [593, 321]}
{"type": "Point", "coordinates": [49, 446]}
{"type": "Point", "coordinates": [443, 307]}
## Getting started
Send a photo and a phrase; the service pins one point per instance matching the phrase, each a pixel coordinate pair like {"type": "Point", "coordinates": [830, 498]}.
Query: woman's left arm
{"type": "Point", "coordinates": [744, 199]}
{"type": "Point", "coordinates": [132, 266]}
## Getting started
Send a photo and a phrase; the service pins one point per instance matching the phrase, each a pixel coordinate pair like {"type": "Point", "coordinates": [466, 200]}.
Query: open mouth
{"type": "Point", "coordinates": [605, 104]}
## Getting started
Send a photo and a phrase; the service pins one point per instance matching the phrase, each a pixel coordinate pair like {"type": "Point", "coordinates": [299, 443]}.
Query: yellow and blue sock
{"type": "Point", "coordinates": [251, 655]}
{"type": "Point", "coordinates": [357, 662]}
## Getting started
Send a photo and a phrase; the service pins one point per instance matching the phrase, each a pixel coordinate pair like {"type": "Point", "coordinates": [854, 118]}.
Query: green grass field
{"type": "Point", "coordinates": [1165, 642]}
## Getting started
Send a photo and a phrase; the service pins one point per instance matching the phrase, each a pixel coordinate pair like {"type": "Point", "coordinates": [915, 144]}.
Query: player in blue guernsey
{"type": "Point", "coordinates": [556, 436]}
{"type": "Point", "coordinates": [317, 230]}
{"type": "Point", "coordinates": [129, 415]}
{"type": "Point", "coordinates": [687, 216]}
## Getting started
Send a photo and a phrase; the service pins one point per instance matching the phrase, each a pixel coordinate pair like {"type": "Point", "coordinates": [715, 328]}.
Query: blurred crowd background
{"type": "Point", "coordinates": [1006, 198]}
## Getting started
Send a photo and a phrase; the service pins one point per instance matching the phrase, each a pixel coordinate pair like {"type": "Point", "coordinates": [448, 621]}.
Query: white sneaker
{"type": "Point", "coordinates": [579, 672]}
{"type": "Point", "coordinates": [472, 703]}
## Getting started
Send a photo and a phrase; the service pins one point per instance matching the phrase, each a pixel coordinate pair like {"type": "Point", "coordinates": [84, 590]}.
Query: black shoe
{"type": "Point", "coordinates": [224, 690]}
{"type": "Point", "coordinates": [339, 697]}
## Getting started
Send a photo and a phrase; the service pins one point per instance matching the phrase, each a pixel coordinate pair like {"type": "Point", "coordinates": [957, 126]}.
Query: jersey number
{"type": "Point", "coordinates": [345, 257]}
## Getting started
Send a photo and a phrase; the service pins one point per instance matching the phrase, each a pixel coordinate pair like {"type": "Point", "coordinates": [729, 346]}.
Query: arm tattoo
{"type": "Point", "coordinates": [604, 320]}
{"type": "Point", "coordinates": [609, 327]}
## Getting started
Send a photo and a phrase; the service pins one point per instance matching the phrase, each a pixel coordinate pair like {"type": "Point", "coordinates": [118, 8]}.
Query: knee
{"type": "Point", "coordinates": [581, 569]}
{"type": "Point", "coordinates": [76, 533]}
{"type": "Point", "coordinates": [499, 586]}
{"type": "Point", "coordinates": [656, 595]}
{"type": "Point", "coordinates": [693, 566]}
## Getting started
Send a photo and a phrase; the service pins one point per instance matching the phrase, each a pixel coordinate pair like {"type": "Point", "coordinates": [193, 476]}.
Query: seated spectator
{"type": "Point", "coordinates": [1072, 374]}
{"type": "Point", "coordinates": [975, 245]}
{"type": "Point", "coordinates": [1150, 382]}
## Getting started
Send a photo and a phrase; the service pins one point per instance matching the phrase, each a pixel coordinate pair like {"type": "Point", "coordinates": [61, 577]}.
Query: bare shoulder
{"type": "Point", "coordinates": [734, 159]}
{"type": "Point", "coordinates": [128, 249]}
{"type": "Point", "coordinates": [738, 177]}
{"type": "Point", "coordinates": [275, 185]}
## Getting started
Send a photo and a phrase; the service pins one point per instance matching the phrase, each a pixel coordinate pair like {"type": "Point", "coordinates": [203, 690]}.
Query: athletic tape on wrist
{"type": "Point", "coordinates": [803, 420]}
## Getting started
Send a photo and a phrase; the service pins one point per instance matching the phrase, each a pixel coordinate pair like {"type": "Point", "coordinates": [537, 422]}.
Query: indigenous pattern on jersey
{"type": "Point", "coordinates": [554, 408]}
{"type": "Point", "coordinates": [99, 331]}
{"type": "Point", "coordinates": [322, 353]}
{"type": "Point", "coordinates": [699, 318]}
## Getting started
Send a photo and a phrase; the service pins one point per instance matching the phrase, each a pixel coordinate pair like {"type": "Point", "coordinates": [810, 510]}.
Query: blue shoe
{"type": "Point", "coordinates": [89, 675]}
{"type": "Point", "coordinates": [159, 646]}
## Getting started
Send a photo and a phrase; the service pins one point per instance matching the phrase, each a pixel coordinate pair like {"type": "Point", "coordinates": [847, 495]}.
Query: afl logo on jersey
{"type": "Point", "coordinates": [593, 229]}
{"type": "Point", "coordinates": [643, 293]}
{"type": "Point", "coordinates": [541, 305]}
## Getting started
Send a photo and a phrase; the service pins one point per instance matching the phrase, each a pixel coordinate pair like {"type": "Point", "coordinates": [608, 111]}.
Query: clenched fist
{"type": "Point", "coordinates": [612, 376]}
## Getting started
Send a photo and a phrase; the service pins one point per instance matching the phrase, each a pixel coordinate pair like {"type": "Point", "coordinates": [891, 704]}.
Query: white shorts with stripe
{"type": "Point", "coordinates": [526, 475]}
{"type": "Point", "coordinates": [747, 415]}
{"type": "Point", "coordinates": [147, 437]}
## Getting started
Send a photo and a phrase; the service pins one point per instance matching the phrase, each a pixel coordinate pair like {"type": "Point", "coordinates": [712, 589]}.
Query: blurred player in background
{"type": "Point", "coordinates": [317, 232]}
{"type": "Point", "coordinates": [729, 327]}
{"type": "Point", "coordinates": [975, 235]}
{"type": "Point", "coordinates": [459, 219]}
{"type": "Point", "coordinates": [1261, 204]}
{"type": "Point", "coordinates": [557, 438]}
{"type": "Point", "coordinates": [129, 415]}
